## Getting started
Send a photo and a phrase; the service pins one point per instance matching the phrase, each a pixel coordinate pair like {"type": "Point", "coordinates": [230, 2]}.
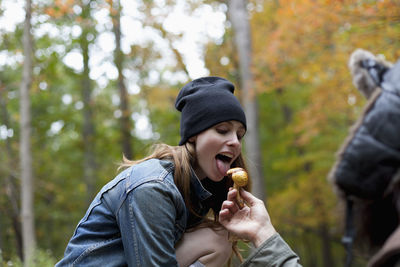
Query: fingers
{"type": "Point", "coordinates": [232, 194]}
{"type": "Point", "coordinates": [230, 206]}
{"type": "Point", "coordinates": [250, 199]}
{"type": "Point", "coordinates": [224, 216]}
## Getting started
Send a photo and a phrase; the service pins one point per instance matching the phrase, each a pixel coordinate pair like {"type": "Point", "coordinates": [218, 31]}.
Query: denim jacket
{"type": "Point", "coordinates": [136, 220]}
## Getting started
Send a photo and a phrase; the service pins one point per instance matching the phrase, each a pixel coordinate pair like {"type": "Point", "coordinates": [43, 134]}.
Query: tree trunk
{"type": "Point", "coordinates": [10, 181]}
{"type": "Point", "coordinates": [241, 26]}
{"type": "Point", "coordinates": [88, 131]}
{"type": "Point", "coordinates": [327, 257]}
{"type": "Point", "coordinates": [27, 190]}
{"type": "Point", "coordinates": [125, 121]}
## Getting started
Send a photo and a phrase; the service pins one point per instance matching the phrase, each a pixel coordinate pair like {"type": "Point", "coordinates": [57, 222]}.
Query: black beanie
{"type": "Point", "coordinates": [205, 102]}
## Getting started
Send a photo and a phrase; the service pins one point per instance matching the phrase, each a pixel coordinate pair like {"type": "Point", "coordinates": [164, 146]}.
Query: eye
{"type": "Point", "coordinates": [240, 134]}
{"type": "Point", "coordinates": [222, 130]}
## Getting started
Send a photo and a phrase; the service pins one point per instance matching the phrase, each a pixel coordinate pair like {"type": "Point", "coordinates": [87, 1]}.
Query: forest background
{"type": "Point", "coordinates": [90, 103]}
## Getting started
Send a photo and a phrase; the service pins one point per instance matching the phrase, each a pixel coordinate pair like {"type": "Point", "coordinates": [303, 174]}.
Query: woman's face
{"type": "Point", "coordinates": [217, 148]}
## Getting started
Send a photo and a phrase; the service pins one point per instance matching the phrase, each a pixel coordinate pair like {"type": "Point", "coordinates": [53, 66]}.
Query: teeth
{"type": "Point", "coordinates": [226, 155]}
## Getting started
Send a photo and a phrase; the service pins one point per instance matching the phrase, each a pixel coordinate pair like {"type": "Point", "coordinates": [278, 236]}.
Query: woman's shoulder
{"type": "Point", "coordinates": [152, 170]}
{"type": "Point", "coordinates": [153, 180]}
{"type": "Point", "coordinates": [152, 167]}
{"type": "Point", "coordinates": [147, 178]}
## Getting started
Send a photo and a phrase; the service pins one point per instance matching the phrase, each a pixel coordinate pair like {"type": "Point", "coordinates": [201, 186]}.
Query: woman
{"type": "Point", "coordinates": [139, 217]}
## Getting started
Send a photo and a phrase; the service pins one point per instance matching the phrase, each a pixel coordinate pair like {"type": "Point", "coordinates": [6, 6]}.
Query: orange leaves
{"type": "Point", "coordinates": [60, 8]}
{"type": "Point", "coordinates": [300, 28]}
{"type": "Point", "coordinates": [113, 8]}
{"type": "Point", "coordinates": [306, 44]}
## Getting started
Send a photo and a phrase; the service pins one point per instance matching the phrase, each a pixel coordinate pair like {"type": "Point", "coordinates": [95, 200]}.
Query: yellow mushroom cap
{"type": "Point", "coordinates": [239, 176]}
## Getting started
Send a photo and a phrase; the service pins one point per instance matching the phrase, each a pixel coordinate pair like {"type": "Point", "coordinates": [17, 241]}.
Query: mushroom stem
{"type": "Point", "coordinates": [239, 199]}
{"type": "Point", "coordinates": [239, 178]}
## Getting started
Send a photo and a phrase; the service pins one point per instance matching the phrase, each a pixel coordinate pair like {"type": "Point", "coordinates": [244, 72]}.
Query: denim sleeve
{"type": "Point", "coordinates": [273, 252]}
{"type": "Point", "coordinates": [147, 223]}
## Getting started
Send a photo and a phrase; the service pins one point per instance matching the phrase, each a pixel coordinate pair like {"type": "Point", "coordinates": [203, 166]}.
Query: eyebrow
{"type": "Point", "coordinates": [231, 123]}
{"type": "Point", "coordinates": [241, 127]}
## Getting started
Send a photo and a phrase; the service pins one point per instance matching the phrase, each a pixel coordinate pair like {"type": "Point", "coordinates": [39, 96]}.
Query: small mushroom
{"type": "Point", "coordinates": [240, 178]}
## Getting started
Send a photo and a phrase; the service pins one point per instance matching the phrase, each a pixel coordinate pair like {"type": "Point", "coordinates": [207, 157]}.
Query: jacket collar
{"type": "Point", "coordinates": [198, 189]}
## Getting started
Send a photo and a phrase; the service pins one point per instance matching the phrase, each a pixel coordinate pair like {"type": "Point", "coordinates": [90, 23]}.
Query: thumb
{"type": "Point", "coordinates": [248, 197]}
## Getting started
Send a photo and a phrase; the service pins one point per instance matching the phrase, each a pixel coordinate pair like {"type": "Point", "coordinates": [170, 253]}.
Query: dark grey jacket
{"type": "Point", "coordinates": [273, 252]}
{"type": "Point", "coordinates": [371, 155]}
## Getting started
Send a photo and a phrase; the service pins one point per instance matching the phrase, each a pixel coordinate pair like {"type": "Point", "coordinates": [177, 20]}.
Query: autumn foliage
{"type": "Point", "coordinates": [300, 56]}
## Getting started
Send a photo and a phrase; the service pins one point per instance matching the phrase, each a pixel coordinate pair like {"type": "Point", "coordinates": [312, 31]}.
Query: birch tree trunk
{"type": "Point", "coordinates": [327, 257]}
{"type": "Point", "coordinates": [27, 190]}
{"type": "Point", "coordinates": [238, 17]}
{"type": "Point", "coordinates": [88, 130]}
{"type": "Point", "coordinates": [10, 180]}
{"type": "Point", "coordinates": [125, 121]}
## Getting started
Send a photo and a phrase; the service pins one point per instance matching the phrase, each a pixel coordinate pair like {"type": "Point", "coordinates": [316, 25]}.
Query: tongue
{"type": "Point", "coordinates": [222, 166]}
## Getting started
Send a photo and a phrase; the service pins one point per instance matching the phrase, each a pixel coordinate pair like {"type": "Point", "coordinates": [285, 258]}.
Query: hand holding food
{"type": "Point", "coordinates": [240, 178]}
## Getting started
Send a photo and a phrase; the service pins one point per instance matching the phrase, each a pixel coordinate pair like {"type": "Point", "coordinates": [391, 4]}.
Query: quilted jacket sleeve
{"type": "Point", "coordinates": [273, 252]}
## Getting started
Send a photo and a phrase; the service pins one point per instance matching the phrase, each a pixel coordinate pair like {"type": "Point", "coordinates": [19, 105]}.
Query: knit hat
{"type": "Point", "coordinates": [205, 102]}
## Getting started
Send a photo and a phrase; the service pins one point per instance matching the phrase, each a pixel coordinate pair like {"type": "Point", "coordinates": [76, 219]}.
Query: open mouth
{"type": "Point", "coordinates": [224, 161]}
{"type": "Point", "coordinates": [225, 158]}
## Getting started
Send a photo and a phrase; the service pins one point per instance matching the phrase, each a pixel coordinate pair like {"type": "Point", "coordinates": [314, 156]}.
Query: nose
{"type": "Point", "coordinates": [234, 140]}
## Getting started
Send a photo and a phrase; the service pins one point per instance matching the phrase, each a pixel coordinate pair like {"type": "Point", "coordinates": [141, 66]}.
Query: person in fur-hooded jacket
{"type": "Point", "coordinates": [367, 171]}
{"type": "Point", "coordinates": [366, 175]}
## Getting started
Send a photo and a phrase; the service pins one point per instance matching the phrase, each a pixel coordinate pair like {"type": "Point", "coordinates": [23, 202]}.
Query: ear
{"type": "Point", "coordinates": [192, 139]}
